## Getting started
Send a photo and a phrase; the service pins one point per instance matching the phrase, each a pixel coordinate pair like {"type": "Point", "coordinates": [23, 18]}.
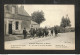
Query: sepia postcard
{"type": "Point", "coordinates": [39, 27]}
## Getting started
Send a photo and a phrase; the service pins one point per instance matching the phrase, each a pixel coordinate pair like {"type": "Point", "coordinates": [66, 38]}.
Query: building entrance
{"type": "Point", "coordinates": [10, 27]}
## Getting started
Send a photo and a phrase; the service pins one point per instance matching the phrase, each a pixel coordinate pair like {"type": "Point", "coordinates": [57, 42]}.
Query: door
{"type": "Point", "coordinates": [4, 29]}
{"type": "Point", "coordinates": [10, 28]}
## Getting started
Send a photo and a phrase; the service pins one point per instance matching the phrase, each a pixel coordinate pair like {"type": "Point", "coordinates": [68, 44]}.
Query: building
{"type": "Point", "coordinates": [15, 19]}
{"type": "Point", "coordinates": [34, 25]}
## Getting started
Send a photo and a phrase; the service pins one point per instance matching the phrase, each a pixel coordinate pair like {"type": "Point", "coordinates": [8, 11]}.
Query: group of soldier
{"type": "Point", "coordinates": [40, 32]}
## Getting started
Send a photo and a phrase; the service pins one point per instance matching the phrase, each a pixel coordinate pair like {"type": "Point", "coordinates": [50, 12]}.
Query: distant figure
{"type": "Point", "coordinates": [31, 32]}
{"type": "Point", "coordinates": [52, 32]}
{"type": "Point", "coordinates": [43, 33]}
{"type": "Point", "coordinates": [39, 32]}
{"type": "Point", "coordinates": [24, 33]}
{"type": "Point", "coordinates": [34, 33]}
{"type": "Point", "coordinates": [46, 32]}
{"type": "Point", "coordinates": [56, 32]}
{"type": "Point", "coordinates": [49, 32]}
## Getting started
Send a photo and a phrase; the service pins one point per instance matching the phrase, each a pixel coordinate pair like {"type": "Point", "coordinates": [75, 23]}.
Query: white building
{"type": "Point", "coordinates": [34, 25]}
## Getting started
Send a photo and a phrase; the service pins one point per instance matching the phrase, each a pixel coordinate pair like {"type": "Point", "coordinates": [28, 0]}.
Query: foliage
{"type": "Point", "coordinates": [63, 30]}
{"type": "Point", "coordinates": [65, 22]}
{"type": "Point", "coordinates": [38, 16]}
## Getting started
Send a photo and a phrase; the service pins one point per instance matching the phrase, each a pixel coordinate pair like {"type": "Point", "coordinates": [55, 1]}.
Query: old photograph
{"type": "Point", "coordinates": [39, 27]}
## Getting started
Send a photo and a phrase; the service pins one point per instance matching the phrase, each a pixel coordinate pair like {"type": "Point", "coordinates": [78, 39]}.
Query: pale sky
{"type": "Point", "coordinates": [53, 13]}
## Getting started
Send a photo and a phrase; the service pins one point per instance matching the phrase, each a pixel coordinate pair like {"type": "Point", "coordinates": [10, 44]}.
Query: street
{"type": "Point", "coordinates": [62, 41]}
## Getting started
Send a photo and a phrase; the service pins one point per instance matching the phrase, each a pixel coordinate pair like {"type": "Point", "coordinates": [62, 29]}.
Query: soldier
{"type": "Point", "coordinates": [43, 32]}
{"type": "Point", "coordinates": [51, 32]}
{"type": "Point", "coordinates": [39, 32]}
{"type": "Point", "coordinates": [34, 32]}
{"type": "Point", "coordinates": [56, 32]}
{"type": "Point", "coordinates": [46, 32]}
{"type": "Point", "coordinates": [31, 32]}
{"type": "Point", "coordinates": [24, 33]}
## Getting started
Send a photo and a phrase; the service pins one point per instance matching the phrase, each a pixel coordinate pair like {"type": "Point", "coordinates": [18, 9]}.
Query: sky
{"type": "Point", "coordinates": [52, 13]}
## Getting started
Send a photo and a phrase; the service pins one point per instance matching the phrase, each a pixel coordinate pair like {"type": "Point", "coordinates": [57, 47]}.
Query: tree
{"type": "Point", "coordinates": [68, 22]}
{"type": "Point", "coordinates": [65, 22]}
{"type": "Point", "coordinates": [38, 16]}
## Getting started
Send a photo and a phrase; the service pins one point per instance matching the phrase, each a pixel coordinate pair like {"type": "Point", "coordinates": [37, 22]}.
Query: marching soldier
{"type": "Point", "coordinates": [56, 31]}
{"type": "Point", "coordinates": [51, 32]}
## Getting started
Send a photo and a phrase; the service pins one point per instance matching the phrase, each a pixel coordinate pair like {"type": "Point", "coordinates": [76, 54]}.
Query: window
{"type": "Point", "coordinates": [17, 25]}
{"type": "Point", "coordinates": [7, 7]}
{"type": "Point", "coordinates": [13, 10]}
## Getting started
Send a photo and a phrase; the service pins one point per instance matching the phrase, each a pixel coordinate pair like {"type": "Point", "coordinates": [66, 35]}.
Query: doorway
{"type": "Point", "coordinates": [10, 27]}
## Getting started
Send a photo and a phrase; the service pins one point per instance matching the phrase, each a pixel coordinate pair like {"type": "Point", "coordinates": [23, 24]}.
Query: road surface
{"type": "Point", "coordinates": [62, 41]}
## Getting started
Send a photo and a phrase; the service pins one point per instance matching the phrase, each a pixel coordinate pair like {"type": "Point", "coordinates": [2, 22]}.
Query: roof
{"type": "Point", "coordinates": [22, 11]}
{"type": "Point", "coordinates": [33, 22]}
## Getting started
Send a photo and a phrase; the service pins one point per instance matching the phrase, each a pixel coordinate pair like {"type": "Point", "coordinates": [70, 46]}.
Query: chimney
{"type": "Point", "coordinates": [22, 6]}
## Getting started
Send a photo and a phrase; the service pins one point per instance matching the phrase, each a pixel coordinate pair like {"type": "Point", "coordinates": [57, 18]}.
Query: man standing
{"type": "Point", "coordinates": [24, 33]}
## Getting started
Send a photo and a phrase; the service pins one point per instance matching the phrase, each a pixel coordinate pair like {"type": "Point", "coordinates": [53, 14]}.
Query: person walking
{"type": "Point", "coordinates": [31, 32]}
{"type": "Point", "coordinates": [49, 32]}
{"type": "Point", "coordinates": [52, 32]}
{"type": "Point", "coordinates": [56, 31]}
{"type": "Point", "coordinates": [24, 33]}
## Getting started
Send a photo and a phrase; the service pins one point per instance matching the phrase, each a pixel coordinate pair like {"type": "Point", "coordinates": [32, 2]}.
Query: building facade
{"type": "Point", "coordinates": [34, 25]}
{"type": "Point", "coordinates": [15, 19]}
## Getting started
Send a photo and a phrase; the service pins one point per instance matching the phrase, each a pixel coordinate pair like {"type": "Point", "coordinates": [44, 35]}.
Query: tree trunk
{"type": "Point", "coordinates": [39, 25]}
